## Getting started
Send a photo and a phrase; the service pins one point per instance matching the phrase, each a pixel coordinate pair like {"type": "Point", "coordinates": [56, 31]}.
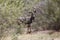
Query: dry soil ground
{"type": "Point", "coordinates": [42, 35]}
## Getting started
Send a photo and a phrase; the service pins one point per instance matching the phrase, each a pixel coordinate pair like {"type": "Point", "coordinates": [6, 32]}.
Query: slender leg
{"type": "Point", "coordinates": [28, 28]}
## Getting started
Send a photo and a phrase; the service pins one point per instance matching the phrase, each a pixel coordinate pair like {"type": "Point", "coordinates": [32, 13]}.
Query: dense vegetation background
{"type": "Point", "coordinates": [47, 15]}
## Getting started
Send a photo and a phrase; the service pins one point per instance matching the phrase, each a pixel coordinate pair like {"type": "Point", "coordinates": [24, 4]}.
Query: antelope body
{"type": "Point", "coordinates": [27, 20]}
